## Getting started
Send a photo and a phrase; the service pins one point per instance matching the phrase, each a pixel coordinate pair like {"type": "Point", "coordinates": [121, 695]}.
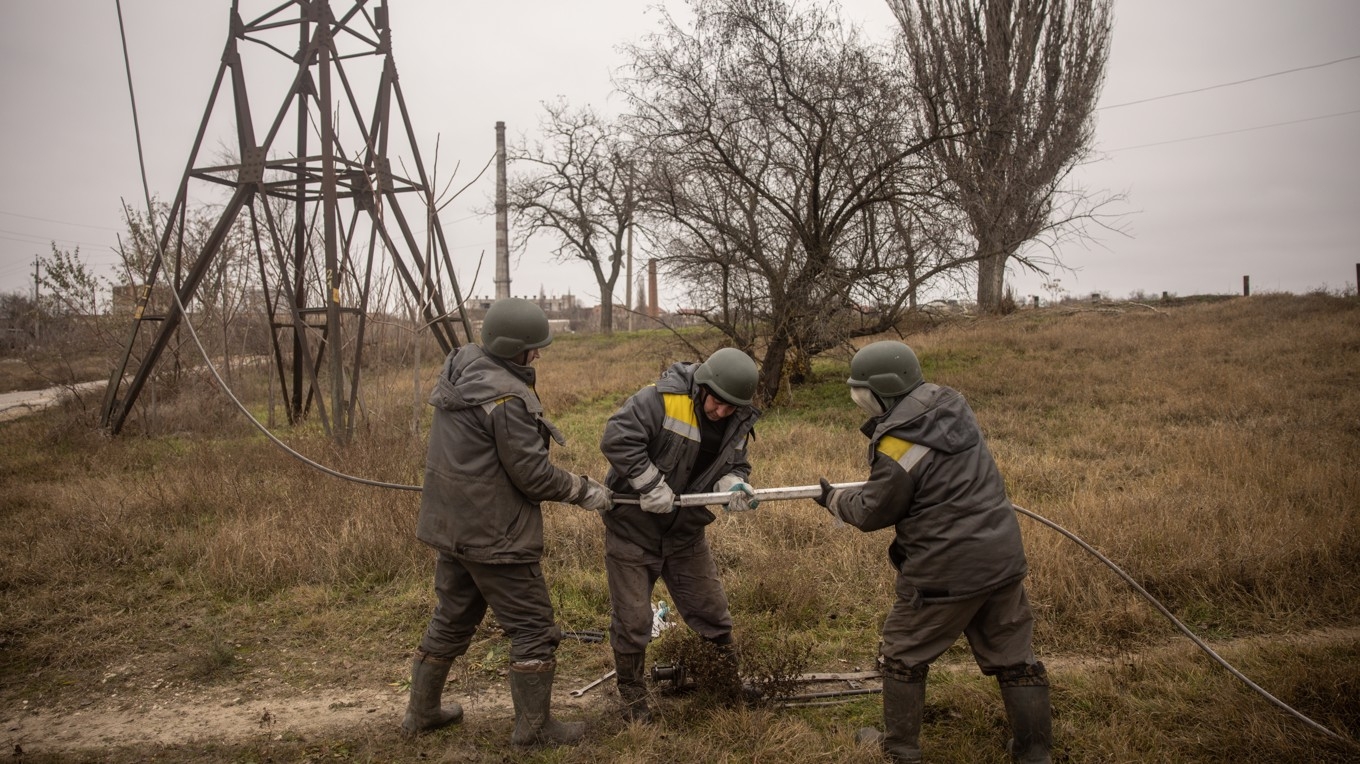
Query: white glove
{"type": "Point", "coordinates": [594, 496]}
{"type": "Point", "coordinates": [743, 497]}
{"type": "Point", "coordinates": [660, 500]}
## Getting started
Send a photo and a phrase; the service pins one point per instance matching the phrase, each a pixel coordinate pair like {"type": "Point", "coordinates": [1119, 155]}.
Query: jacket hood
{"type": "Point", "coordinates": [931, 415]}
{"type": "Point", "coordinates": [472, 377]}
{"type": "Point", "coordinates": [679, 378]}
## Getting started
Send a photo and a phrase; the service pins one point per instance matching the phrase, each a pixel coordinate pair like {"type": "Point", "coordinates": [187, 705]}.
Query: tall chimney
{"type": "Point", "coordinates": [502, 219]}
{"type": "Point", "coordinates": [652, 309]}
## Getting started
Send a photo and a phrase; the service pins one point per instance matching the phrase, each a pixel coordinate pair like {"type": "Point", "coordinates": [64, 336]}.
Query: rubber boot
{"type": "Point", "coordinates": [423, 710]}
{"type": "Point", "coordinates": [531, 690]}
{"type": "Point", "coordinates": [904, 704]}
{"type": "Point", "coordinates": [1031, 718]}
{"type": "Point", "coordinates": [630, 668]}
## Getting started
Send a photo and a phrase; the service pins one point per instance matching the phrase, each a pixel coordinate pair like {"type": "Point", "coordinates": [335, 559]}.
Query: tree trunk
{"type": "Point", "coordinates": [772, 370]}
{"type": "Point", "coordinates": [606, 311]}
{"type": "Point", "coordinates": [991, 286]}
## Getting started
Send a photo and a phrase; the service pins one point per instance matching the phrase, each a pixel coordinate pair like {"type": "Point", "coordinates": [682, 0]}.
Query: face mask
{"type": "Point", "coordinates": [866, 400]}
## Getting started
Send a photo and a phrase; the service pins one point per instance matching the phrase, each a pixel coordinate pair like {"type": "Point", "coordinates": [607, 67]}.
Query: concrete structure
{"type": "Point", "coordinates": [502, 218]}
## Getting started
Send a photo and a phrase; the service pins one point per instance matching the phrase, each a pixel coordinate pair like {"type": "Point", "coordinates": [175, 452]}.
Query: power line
{"type": "Point", "coordinates": [1233, 132]}
{"type": "Point", "coordinates": [39, 239]}
{"type": "Point", "coordinates": [60, 222]}
{"type": "Point", "coordinates": [1228, 84]}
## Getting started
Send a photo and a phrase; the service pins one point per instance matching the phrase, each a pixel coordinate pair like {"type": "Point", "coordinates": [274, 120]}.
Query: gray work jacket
{"type": "Point", "coordinates": [654, 436]}
{"type": "Point", "coordinates": [933, 477]}
{"type": "Point", "coordinates": [487, 467]}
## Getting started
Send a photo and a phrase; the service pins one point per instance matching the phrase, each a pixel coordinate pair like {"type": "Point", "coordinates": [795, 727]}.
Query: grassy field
{"type": "Point", "coordinates": [1209, 449]}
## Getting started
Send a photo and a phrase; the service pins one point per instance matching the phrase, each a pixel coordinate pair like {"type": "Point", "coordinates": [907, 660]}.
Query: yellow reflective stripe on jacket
{"type": "Point", "coordinates": [680, 417]}
{"type": "Point", "coordinates": [490, 406]}
{"type": "Point", "coordinates": [903, 452]}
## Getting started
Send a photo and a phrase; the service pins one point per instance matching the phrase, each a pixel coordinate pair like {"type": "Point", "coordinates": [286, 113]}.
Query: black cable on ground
{"type": "Point", "coordinates": [1179, 625]}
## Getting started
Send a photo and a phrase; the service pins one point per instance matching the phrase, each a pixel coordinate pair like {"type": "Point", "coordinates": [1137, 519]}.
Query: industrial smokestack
{"type": "Point", "coordinates": [652, 309]}
{"type": "Point", "coordinates": [502, 219]}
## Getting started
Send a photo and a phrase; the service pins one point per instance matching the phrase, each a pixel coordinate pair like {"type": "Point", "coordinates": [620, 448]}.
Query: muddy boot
{"type": "Point", "coordinates": [633, 686]}
{"type": "Point", "coordinates": [1024, 690]}
{"type": "Point", "coordinates": [1027, 708]}
{"type": "Point", "coordinates": [531, 690]}
{"type": "Point", "coordinates": [904, 704]}
{"type": "Point", "coordinates": [423, 710]}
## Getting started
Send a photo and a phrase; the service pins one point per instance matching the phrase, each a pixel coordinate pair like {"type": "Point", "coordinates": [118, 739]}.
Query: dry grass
{"type": "Point", "coordinates": [1208, 449]}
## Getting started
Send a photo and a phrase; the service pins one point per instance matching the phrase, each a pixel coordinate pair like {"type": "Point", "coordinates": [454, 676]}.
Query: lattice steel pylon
{"type": "Point", "coordinates": [291, 194]}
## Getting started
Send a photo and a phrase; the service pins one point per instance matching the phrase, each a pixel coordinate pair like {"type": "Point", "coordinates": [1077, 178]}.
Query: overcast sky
{"type": "Point", "coordinates": [1260, 178]}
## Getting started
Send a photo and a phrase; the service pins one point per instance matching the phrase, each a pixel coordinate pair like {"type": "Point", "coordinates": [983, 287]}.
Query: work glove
{"type": "Point", "coordinates": [743, 497]}
{"type": "Point", "coordinates": [659, 500]}
{"type": "Point", "coordinates": [594, 496]}
{"type": "Point", "coordinates": [828, 498]}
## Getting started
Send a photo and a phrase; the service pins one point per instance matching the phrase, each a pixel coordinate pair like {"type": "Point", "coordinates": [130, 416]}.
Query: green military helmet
{"type": "Point", "coordinates": [888, 368]}
{"type": "Point", "coordinates": [731, 375]}
{"type": "Point", "coordinates": [512, 326]}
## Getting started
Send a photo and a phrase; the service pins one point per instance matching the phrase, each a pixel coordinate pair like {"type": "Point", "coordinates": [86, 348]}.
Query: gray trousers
{"type": "Point", "coordinates": [999, 627]}
{"type": "Point", "coordinates": [691, 577]}
{"type": "Point", "coordinates": [517, 594]}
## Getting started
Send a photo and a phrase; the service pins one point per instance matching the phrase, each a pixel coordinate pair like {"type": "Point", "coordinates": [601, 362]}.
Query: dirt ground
{"type": "Point", "coordinates": [175, 715]}
{"type": "Point", "coordinates": [137, 709]}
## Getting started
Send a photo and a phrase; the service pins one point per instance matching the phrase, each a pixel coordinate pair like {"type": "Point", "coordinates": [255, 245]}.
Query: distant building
{"type": "Point", "coordinates": [125, 297]}
{"type": "Point", "coordinates": [555, 306]}
{"type": "Point", "coordinates": [564, 312]}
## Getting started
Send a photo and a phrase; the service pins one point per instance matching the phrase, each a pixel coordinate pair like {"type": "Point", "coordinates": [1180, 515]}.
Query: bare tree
{"type": "Point", "coordinates": [579, 191]}
{"type": "Point", "coordinates": [1022, 78]}
{"type": "Point", "coordinates": [70, 286]}
{"type": "Point", "coordinates": [773, 133]}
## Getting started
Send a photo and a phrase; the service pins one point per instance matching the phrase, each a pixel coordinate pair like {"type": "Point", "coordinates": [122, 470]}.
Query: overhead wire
{"type": "Point", "coordinates": [1235, 132]}
{"type": "Point", "coordinates": [1222, 133]}
{"type": "Point", "coordinates": [59, 222]}
{"type": "Point", "coordinates": [1227, 84]}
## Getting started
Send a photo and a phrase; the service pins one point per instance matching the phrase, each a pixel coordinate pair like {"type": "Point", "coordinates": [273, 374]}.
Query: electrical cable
{"type": "Point", "coordinates": [1178, 624]}
{"type": "Point", "coordinates": [1234, 132]}
{"type": "Point", "coordinates": [146, 190]}
{"type": "Point", "coordinates": [60, 222]}
{"type": "Point", "coordinates": [1227, 84]}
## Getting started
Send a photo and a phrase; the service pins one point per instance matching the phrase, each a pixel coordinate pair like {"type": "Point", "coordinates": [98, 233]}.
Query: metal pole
{"type": "Point", "coordinates": [763, 494]}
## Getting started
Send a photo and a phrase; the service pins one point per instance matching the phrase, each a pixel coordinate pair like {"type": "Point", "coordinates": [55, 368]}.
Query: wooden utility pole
{"type": "Point", "coordinates": [37, 311]}
{"type": "Point", "coordinates": [628, 279]}
{"type": "Point", "coordinates": [652, 309]}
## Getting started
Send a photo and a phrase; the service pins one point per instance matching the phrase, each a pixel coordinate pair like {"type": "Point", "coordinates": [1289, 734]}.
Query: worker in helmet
{"type": "Point", "coordinates": [486, 472]}
{"type": "Point", "coordinates": [958, 554]}
{"type": "Point", "coordinates": [687, 433]}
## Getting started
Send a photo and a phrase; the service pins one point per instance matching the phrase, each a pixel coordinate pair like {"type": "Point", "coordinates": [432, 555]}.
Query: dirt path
{"type": "Point", "coordinates": [24, 402]}
{"type": "Point", "coordinates": [175, 716]}
{"type": "Point", "coordinates": [262, 709]}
